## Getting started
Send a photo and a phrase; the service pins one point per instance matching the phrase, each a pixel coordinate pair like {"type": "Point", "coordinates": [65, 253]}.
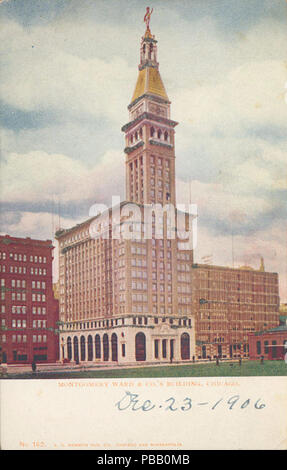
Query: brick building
{"type": "Point", "coordinates": [129, 300]}
{"type": "Point", "coordinates": [228, 304]}
{"type": "Point", "coordinates": [29, 312]}
{"type": "Point", "coordinates": [270, 344]}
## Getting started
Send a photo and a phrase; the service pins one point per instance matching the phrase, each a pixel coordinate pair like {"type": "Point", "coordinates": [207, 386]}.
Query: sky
{"type": "Point", "coordinates": [68, 73]}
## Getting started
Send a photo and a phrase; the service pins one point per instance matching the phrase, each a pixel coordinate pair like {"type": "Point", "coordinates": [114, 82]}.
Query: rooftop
{"type": "Point", "coordinates": [8, 240]}
{"type": "Point", "coordinates": [272, 330]}
{"type": "Point", "coordinates": [228, 268]}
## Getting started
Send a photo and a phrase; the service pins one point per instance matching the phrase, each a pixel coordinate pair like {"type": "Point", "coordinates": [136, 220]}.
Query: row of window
{"type": "Point", "coordinates": [266, 347]}
{"type": "Point", "coordinates": [22, 296]}
{"type": "Point", "coordinates": [74, 238]}
{"type": "Point", "coordinates": [13, 269]}
{"type": "Point", "coordinates": [23, 257]}
{"type": "Point", "coordinates": [18, 309]}
{"type": "Point", "coordinates": [139, 285]}
{"type": "Point", "coordinates": [22, 284]}
{"type": "Point", "coordinates": [22, 270]}
{"type": "Point", "coordinates": [233, 286]}
{"type": "Point", "coordinates": [161, 276]}
{"type": "Point", "coordinates": [160, 173]}
{"type": "Point", "coordinates": [38, 298]}
{"type": "Point", "coordinates": [18, 283]}
{"type": "Point", "coordinates": [16, 338]}
{"type": "Point", "coordinates": [18, 323]}
{"type": "Point", "coordinates": [38, 285]}
{"type": "Point", "coordinates": [154, 133]}
{"type": "Point", "coordinates": [240, 277]}
{"type": "Point", "coordinates": [97, 324]}
{"type": "Point", "coordinates": [140, 320]}
{"type": "Point", "coordinates": [138, 262]}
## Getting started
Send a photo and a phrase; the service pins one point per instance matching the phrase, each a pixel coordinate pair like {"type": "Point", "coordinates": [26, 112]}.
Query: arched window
{"type": "Point", "coordinates": [83, 348]}
{"type": "Point", "coordinates": [144, 48]}
{"type": "Point", "coordinates": [140, 347]}
{"type": "Point", "coordinates": [76, 349]}
{"type": "Point", "coordinates": [141, 132]}
{"type": "Point", "coordinates": [106, 347]}
{"type": "Point", "coordinates": [69, 348]}
{"type": "Point", "coordinates": [203, 352]}
{"type": "Point", "coordinates": [136, 135]}
{"type": "Point", "coordinates": [90, 348]}
{"type": "Point", "coordinates": [98, 346]}
{"type": "Point", "coordinates": [185, 346]}
{"type": "Point", "coordinates": [166, 136]}
{"type": "Point", "coordinates": [156, 341]}
{"type": "Point", "coordinates": [164, 348]}
{"type": "Point", "coordinates": [159, 134]}
{"type": "Point", "coordinates": [114, 347]}
{"type": "Point", "coordinates": [150, 51]}
{"type": "Point", "coordinates": [152, 131]}
{"type": "Point", "coordinates": [131, 138]}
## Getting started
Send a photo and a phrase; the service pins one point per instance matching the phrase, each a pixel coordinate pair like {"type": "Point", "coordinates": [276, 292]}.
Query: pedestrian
{"type": "Point", "coordinates": [193, 358]}
{"type": "Point", "coordinates": [262, 360]}
{"type": "Point", "coordinates": [217, 360]}
{"type": "Point", "coordinates": [240, 361]}
{"type": "Point", "coordinates": [34, 367]}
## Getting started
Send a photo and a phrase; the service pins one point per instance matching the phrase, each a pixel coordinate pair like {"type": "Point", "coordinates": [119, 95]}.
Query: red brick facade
{"type": "Point", "coordinates": [270, 344]}
{"type": "Point", "coordinates": [230, 303]}
{"type": "Point", "coordinates": [29, 311]}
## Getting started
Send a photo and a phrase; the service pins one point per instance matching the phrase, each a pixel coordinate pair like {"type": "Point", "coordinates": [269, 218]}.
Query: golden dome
{"type": "Point", "coordinates": [149, 82]}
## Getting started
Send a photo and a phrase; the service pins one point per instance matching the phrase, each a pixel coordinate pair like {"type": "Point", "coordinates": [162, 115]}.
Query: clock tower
{"type": "Point", "coordinates": [149, 134]}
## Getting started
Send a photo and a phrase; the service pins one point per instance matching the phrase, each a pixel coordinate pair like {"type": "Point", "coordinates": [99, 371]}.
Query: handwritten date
{"type": "Point", "coordinates": [133, 402]}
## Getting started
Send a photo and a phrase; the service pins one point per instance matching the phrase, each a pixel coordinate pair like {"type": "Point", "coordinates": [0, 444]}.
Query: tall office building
{"type": "Point", "coordinates": [128, 298]}
{"type": "Point", "coordinates": [139, 296]}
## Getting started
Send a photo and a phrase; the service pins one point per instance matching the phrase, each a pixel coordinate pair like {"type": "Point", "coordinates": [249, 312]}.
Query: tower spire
{"type": "Point", "coordinates": [149, 81]}
{"type": "Point", "coordinates": [149, 134]}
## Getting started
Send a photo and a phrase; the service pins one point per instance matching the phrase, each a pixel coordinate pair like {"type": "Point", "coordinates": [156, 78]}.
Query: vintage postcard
{"type": "Point", "coordinates": [143, 245]}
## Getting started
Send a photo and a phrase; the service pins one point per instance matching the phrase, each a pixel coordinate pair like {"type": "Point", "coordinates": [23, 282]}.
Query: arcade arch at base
{"type": "Point", "coordinates": [127, 346]}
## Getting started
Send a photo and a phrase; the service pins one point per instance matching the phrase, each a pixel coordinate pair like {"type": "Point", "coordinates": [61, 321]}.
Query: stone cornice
{"type": "Point", "coordinates": [162, 144]}
{"type": "Point", "coordinates": [134, 147]}
{"type": "Point", "coordinates": [152, 117]}
{"type": "Point", "coordinates": [158, 99]}
{"type": "Point", "coordinates": [148, 63]}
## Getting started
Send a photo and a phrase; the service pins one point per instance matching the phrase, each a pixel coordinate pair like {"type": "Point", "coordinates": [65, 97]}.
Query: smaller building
{"type": "Point", "coordinates": [229, 303]}
{"type": "Point", "coordinates": [29, 312]}
{"type": "Point", "coordinates": [270, 344]}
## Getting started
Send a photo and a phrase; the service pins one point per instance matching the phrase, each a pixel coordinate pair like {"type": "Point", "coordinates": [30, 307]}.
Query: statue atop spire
{"type": "Point", "coordinates": [147, 18]}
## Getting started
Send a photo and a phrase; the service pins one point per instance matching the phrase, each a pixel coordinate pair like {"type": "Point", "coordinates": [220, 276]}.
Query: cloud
{"type": "Point", "coordinates": [250, 95]}
{"type": "Point", "coordinates": [38, 74]}
{"type": "Point", "coordinates": [254, 186]}
{"type": "Point", "coordinates": [66, 81]}
{"type": "Point", "coordinates": [40, 178]}
{"type": "Point", "coordinates": [269, 243]}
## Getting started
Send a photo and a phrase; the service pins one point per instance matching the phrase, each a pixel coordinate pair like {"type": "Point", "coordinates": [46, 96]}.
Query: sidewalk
{"type": "Point", "coordinates": [12, 369]}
